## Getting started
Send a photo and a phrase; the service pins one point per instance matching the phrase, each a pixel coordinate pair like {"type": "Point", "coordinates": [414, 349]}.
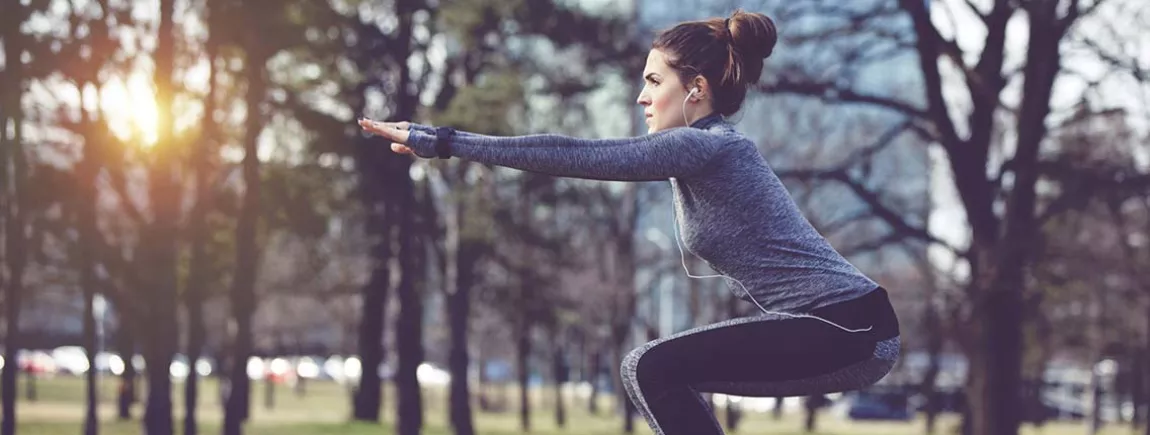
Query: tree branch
{"type": "Point", "coordinates": [834, 93]}
{"type": "Point", "coordinates": [873, 201]}
{"type": "Point", "coordinates": [119, 186]}
{"type": "Point", "coordinates": [1131, 65]}
{"type": "Point", "coordinates": [873, 245]}
{"type": "Point", "coordinates": [1080, 186]}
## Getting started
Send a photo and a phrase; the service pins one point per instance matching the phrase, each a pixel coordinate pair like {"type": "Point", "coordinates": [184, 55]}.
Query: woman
{"type": "Point", "coordinates": [824, 326]}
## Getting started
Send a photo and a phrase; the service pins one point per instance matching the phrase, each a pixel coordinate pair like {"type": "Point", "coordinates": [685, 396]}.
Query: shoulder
{"type": "Point", "coordinates": [698, 136]}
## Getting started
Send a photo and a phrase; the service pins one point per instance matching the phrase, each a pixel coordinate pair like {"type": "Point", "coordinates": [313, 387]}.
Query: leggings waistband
{"type": "Point", "coordinates": [870, 310]}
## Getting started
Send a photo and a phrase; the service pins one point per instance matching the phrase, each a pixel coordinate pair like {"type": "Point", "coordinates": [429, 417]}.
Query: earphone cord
{"type": "Point", "coordinates": [683, 257]}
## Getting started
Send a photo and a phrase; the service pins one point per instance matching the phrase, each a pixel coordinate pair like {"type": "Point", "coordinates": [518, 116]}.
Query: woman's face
{"type": "Point", "coordinates": [663, 94]}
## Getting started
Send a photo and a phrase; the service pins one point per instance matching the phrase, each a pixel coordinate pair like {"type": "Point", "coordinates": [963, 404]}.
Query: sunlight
{"type": "Point", "coordinates": [131, 110]}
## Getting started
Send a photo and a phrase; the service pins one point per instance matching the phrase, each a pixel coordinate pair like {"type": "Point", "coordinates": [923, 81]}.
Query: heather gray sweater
{"type": "Point", "coordinates": [734, 212]}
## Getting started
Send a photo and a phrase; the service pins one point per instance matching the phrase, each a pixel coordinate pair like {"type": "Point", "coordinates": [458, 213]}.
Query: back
{"type": "Point", "coordinates": [737, 216]}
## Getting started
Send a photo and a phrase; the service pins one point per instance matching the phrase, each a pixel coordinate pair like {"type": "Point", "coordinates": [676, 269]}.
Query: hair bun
{"type": "Point", "coordinates": [752, 33]}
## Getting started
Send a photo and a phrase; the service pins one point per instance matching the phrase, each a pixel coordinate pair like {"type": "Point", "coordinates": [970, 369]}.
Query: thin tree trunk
{"type": "Point", "coordinates": [461, 258]}
{"type": "Point", "coordinates": [409, 339]}
{"type": "Point", "coordinates": [269, 393]}
{"type": "Point", "coordinates": [12, 179]}
{"type": "Point", "coordinates": [369, 394]}
{"type": "Point", "coordinates": [1138, 386]}
{"type": "Point", "coordinates": [559, 367]}
{"type": "Point", "coordinates": [159, 242]}
{"type": "Point", "coordinates": [194, 351]}
{"type": "Point", "coordinates": [88, 282]}
{"type": "Point", "coordinates": [522, 356]}
{"type": "Point", "coordinates": [596, 366]}
{"type": "Point", "coordinates": [377, 194]}
{"type": "Point", "coordinates": [734, 414]}
{"type": "Point", "coordinates": [934, 351]}
{"type": "Point", "coordinates": [812, 408]}
{"type": "Point", "coordinates": [198, 230]}
{"type": "Point", "coordinates": [621, 398]}
{"type": "Point", "coordinates": [247, 253]}
{"type": "Point", "coordinates": [1145, 385]}
{"type": "Point", "coordinates": [127, 348]}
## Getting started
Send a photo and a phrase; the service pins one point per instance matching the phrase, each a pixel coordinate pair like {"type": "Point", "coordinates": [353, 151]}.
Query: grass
{"type": "Point", "coordinates": [325, 407]}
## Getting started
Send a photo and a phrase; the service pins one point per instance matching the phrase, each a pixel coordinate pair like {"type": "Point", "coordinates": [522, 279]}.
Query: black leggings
{"type": "Point", "coordinates": [760, 356]}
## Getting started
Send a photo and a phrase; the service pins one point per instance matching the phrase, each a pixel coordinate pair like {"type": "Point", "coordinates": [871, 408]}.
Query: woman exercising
{"type": "Point", "coordinates": [823, 327]}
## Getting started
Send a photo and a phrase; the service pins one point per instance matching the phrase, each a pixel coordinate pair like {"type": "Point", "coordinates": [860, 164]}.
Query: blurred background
{"type": "Point", "coordinates": [196, 237]}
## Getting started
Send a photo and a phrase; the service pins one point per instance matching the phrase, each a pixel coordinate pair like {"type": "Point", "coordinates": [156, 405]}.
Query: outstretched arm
{"type": "Point", "coordinates": [679, 152]}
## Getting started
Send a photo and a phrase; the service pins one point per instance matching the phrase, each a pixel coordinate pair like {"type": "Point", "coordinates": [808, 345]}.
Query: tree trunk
{"type": "Point", "coordinates": [369, 395]}
{"type": "Point", "coordinates": [409, 329]}
{"type": "Point", "coordinates": [195, 350]}
{"type": "Point", "coordinates": [622, 401]}
{"type": "Point", "coordinates": [777, 410]}
{"type": "Point", "coordinates": [596, 364]}
{"type": "Point", "coordinates": [461, 258]}
{"type": "Point", "coordinates": [159, 242]}
{"type": "Point", "coordinates": [243, 300]}
{"type": "Point", "coordinates": [91, 399]}
{"type": "Point", "coordinates": [378, 196]}
{"type": "Point", "coordinates": [1144, 368]}
{"type": "Point", "coordinates": [86, 218]}
{"type": "Point", "coordinates": [812, 405]}
{"type": "Point", "coordinates": [198, 231]}
{"type": "Point", "coordinates": [12, 153]}
{"type": "Point", "coordinates": [934, 350]}
{"type": "Point", "coordinates": [734, 414]}
{"type": "Point", "coordinates": [522, 357]}
{"type": "Point", "coordinates": [994, 380]}
{"type": "Point", "coordinates": [1137, 385]}
{"type": "Point", "coordinates": [269, 393]}
{"type": "Point", "coordinates": [88, 233]}
{"type": "Point", "coordinates": [559, 367]}
{"type": "Point", "coordinates": [127, 348]}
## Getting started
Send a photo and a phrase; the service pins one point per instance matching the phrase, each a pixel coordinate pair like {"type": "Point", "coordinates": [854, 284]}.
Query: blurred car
{"type": "Point", "coordinates": [879, 405]}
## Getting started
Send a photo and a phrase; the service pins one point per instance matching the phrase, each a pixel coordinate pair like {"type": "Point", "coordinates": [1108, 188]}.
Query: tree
{"type": "Point", "coordinates": [1003, 203]}
{"type": "Point", "coordinates": [243, 302]}
{"type": "Point", "coordinates": [199, 230]}
{"type": "Point", "coordinates": [14, 197]}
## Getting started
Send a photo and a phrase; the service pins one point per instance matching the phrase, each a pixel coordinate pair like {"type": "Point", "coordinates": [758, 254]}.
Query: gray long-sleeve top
{"type": "Point", "coordinates": [734, 211]}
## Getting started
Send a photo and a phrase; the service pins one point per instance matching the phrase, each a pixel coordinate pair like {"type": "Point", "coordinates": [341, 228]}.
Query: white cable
{"type": "Point", "coordinates": [683, 257]}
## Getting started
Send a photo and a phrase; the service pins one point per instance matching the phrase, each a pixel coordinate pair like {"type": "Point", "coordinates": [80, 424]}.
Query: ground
{"type": "Point", "coordinates": [325, 407]}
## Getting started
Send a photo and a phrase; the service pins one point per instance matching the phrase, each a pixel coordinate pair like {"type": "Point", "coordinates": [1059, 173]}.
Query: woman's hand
{"type": "Point", "coordinates": [396, 132]}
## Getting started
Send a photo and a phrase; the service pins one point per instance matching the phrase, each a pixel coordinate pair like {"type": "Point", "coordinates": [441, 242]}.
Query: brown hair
{"type": "Point", "coordinates": [728, 52]}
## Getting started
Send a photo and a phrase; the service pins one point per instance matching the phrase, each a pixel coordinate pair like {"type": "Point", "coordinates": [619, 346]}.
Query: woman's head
{"type": "Point", "coordinates": [720, 57]}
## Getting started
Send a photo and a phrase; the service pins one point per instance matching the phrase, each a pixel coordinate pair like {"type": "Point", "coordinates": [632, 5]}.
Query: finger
{"type": "Point", "coordinates": [380, 129]}
{"type": "Point", "coordinates": [401, 149]}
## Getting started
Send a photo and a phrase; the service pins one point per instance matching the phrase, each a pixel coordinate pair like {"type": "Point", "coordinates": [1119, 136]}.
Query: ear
{"type": "Point", "coordinates": [704, 88]}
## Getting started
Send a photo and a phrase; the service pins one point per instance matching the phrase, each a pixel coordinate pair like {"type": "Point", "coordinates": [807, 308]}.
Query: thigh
{"type": "Point", "coordinates": [753, 349]}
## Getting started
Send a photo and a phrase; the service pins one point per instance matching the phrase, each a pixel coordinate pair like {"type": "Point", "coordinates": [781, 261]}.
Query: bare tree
{"type": "Point", "coordinates": [1004, 209]}
{"type": "Point", "coordinates": [13, 193]}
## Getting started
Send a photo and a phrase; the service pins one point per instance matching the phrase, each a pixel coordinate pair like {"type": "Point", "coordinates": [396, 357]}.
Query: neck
{"type": "Point", "coordinates": [706, 120]}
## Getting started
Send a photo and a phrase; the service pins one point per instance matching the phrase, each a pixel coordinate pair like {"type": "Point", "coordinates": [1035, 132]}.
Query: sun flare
{"type": "Point", "coordinates": [131, 110]}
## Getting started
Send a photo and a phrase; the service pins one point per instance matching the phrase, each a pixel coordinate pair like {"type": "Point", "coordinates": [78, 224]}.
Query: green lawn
{"type": "Point", "coordinates": [325, 407]}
